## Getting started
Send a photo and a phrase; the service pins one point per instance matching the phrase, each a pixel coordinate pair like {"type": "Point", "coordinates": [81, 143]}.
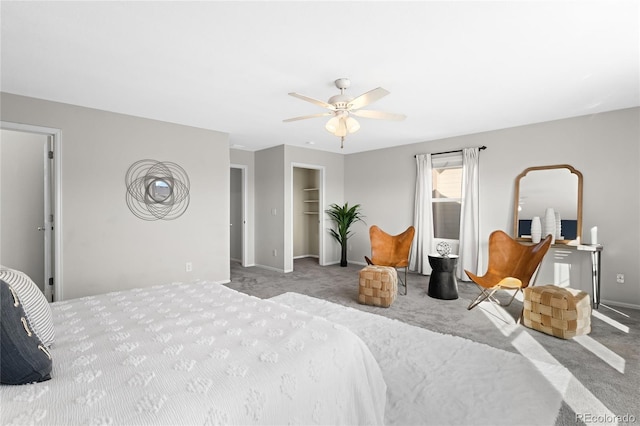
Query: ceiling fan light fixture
{"type": "Point", "coordinates": [342, 130]}
{"type": "Point", "coordinates": [342, 124]}
{"type": "Point", "coordinates": [333, 124]}
{"type": "Point", "coordinates": [352, 125]}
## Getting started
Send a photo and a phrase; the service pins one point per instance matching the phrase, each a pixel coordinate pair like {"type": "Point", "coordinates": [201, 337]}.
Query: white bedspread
{"type": "Point", "coordinates": [438, 379]}
{"type": "Point", "coordinates": [198, 354]}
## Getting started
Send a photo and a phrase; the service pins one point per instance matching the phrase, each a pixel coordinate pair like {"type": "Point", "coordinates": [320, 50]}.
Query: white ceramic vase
{"type": "Point", "coordinates": [536, 229]}
{"type": "Point", "coordinates": [549, 226]}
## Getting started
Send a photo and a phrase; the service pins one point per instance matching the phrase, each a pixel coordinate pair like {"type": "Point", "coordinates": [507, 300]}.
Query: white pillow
{"type": "Point", "coordinates": [33, 301]}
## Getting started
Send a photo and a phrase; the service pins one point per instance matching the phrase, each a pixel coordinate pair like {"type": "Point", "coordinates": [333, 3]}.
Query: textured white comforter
{"type": "Point", "coordinates": [198, 354]}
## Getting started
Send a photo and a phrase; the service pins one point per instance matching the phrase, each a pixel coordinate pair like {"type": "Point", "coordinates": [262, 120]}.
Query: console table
{"type": "Point", "coordinates": [595, 250]}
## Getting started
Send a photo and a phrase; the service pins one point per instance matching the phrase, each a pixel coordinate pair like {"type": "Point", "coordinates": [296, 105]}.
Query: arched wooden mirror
{"type": "Point", "coordinates": [537, 188]}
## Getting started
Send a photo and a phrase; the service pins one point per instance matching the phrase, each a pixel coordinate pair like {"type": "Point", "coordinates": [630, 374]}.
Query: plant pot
{"type": "Point", "coordinates": [343, 257]}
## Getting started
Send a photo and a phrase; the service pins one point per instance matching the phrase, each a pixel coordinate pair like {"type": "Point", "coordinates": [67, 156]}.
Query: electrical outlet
{"type": "Point", "coordinates": [620, 278]}
{"type": "Point", "coordinates": [275, 252]}
{"type": "Point", "coordinates": [188, 267]}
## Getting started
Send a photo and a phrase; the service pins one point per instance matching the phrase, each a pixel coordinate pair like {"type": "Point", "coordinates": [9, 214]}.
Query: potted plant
{"type": "Point", "coordinates": [344, 217]}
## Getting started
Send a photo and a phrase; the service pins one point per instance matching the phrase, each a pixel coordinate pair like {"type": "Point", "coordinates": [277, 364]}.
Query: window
{"type": "Point", "coordinates": [447, 195]}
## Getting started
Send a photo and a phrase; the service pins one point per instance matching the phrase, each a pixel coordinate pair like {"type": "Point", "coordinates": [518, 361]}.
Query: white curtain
{"type": "Point", "coordinates": [423, 217]}
{"type": "Point", "coordinates": [469, 215]}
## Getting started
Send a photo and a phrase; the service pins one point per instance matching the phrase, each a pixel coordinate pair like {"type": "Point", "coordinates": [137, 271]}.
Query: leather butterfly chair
{"type": "Point", "coordinates": [511, 266]}
{"type": "Point", "coordinates": [391, 250]}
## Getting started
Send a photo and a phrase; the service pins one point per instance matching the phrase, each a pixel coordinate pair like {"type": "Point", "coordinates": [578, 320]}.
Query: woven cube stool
{"type": "Point", "coordinates": [558, 311]}
{"type": "Point", "coordinates": [378, 285]}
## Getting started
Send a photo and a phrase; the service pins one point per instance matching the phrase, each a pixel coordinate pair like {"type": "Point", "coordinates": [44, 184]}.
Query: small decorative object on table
{"type": "Point", "coordinates": [536, 230]}
{"type": "Point", "coordinates": [558, 226]}
{"type": "Point", "coordinates": [549, 227]}
{"type": "Point", "coordinates": [443, 248]}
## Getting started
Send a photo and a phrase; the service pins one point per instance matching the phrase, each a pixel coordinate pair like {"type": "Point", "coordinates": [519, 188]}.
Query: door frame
{"type": "Point", "coordinates": [321, 170]}
{"type": "Point", "coordinates": [56, 138]}
{"type": "Point", "coordinates": [243, 185]}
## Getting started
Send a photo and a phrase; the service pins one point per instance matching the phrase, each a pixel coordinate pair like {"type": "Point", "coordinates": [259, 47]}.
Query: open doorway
{"type": "Point", "coordinates": [237, 214]}
{"type": "Point", "coordinates": [29, 181]}
{"type": "Point", "coordinates": [307, 213]}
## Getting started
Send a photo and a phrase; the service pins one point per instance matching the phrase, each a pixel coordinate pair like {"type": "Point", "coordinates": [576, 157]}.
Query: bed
{"type": "Point", "coordinates": [197, 354]}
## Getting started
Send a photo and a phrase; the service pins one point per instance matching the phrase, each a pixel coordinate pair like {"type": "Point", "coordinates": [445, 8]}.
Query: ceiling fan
{"type": "Point", "coordinates": [342, 107]}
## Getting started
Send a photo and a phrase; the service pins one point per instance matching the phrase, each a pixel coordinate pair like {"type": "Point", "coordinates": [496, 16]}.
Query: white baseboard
{"type": "Point", "coordinates": [620, 304]}
{"type": "Point", "coordinates": [271, 268]}
{"type": "Point", "coordinates": [248, 265]}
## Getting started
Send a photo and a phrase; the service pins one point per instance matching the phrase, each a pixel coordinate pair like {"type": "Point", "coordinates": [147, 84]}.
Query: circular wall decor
{"type": "Point", "coordinates": [157, 190]}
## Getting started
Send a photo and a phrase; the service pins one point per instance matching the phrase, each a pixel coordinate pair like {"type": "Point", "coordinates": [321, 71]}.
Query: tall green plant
{"type": "Point", "coordinates": [344, 217]}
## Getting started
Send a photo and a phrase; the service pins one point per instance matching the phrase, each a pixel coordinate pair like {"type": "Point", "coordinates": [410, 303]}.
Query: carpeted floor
{"type": "Point", "coordinates": [605, 365]}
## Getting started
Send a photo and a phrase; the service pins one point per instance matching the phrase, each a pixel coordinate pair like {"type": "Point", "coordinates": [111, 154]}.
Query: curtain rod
{"type": "Point", "coordinates": [455, 150]}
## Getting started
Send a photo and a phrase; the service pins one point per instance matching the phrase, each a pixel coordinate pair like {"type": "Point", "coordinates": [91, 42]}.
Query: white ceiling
{"type": "Point", "coordinates": [453, 67]}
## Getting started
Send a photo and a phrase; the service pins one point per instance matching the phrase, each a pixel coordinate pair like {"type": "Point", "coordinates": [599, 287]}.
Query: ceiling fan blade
{"type": "Point", "coordinates": [313, 101]}
{"type": "Point", "coordinates": [378, 115]}
{"type": "Point", "coordinates": [369, 97]}
{"type": "Point", "coordinates": [321, 114]}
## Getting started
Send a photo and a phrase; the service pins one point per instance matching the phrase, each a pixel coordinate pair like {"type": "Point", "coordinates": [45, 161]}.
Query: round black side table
{"type": "Point", "coordinates": [442, 282]}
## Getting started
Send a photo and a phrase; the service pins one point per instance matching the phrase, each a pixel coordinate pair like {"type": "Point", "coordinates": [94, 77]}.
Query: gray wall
{"type": "Point", "coordinates": [269, 207]}
{"type": "Point", "coordinates": [604, 147]}
{"type": "Point", "coordinates": [107, 248]}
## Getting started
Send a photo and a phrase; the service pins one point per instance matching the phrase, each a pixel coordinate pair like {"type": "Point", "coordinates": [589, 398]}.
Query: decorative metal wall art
{"type": "Point", "coordinates": [157, 190]}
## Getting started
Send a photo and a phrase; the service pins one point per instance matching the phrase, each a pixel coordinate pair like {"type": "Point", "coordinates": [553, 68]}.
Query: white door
{"type": "Point", "coordinates": [26, 206]}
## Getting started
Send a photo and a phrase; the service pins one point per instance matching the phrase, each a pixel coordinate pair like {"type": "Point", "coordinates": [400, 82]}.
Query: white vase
{"type": "Point", "coordinates": [558, 226]}
{"type": "Point", "coordinates": [549, 226]}
{"type": "Point", "coordinates": [536, 229]}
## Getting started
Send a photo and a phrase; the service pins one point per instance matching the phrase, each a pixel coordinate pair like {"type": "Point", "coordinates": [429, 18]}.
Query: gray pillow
{"type": "Point", "coordinates": [33, 301]}
{"type": "Point", "coordinates": [23, 356]}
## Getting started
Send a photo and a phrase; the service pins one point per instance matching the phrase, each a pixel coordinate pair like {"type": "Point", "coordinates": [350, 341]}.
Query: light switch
{"type": "Point", "coordinates": [274, 212]}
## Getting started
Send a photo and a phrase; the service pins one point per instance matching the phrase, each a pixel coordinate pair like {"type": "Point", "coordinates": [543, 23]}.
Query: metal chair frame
{"type": "Point", "coordinates": [487, 294]}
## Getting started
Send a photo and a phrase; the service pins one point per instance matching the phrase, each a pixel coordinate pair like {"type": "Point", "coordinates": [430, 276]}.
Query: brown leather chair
{"type": "Point", "coordinates": [511, 266]}
{"type": "Point", "coordinates": [391, 250]}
